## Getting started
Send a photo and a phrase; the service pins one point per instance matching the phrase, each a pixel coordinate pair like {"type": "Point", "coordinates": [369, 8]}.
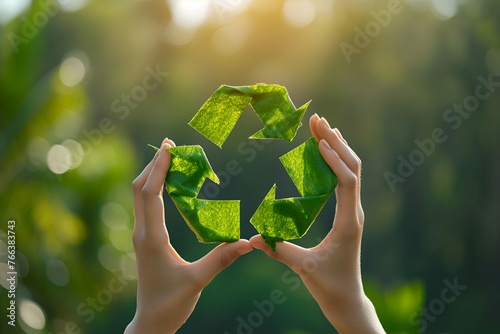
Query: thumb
{"type": "Point", "coordinates": [286, 252]}
{"type": "Point", "coordinates": [219, 258]}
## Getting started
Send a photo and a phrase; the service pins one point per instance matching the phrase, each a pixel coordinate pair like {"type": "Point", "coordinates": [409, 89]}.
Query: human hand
{"type": "Point", "coordinates": [168, 286]}
{"type": "Point", "coordinates": [331, 271]}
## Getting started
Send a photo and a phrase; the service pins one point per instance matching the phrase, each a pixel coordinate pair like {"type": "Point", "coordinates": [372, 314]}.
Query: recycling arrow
{"type": "Point", "coordinates": [218, 116]}
{"type": "Point", "coordinates": [290, 218]}
{"type": "Point", "coordinates": [275, 219]}
{"type": "Point", "coordinates": [210, 220]}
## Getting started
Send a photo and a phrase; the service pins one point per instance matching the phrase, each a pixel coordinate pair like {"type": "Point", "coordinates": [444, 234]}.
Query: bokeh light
{"type": "Point", "coordinates": [128, 266]}
{"type": "Point", "coordinates": [57, 272]}
{"type": "Point", "coordinates": [59, 159]}
{"type": "Point", "coordinates": [72, 5]}
{"type": "Point", "coordinates": [189, 14]}
{"type": "Point", "coordinates": [11, 8]}
{"type": "Point", "coordinates": [120, 239]}
{"type": "Point", "coordinates": [299, 13]}
{"type": "Point", "coordinates": [445, 9]}
{"type": "Point", "coordinates": [108, 257]}
{"type": "Point", "coordinates": [3, 246]}
{"type": "Point", "coordinates": [4, 269]}
{"type": "Point", "coordinates": [76, 152]}
{"type": "Point", "coordinates": [114, 216]}
{"type": "Point", "coordinates": [32, 315]}
{"type": "Point", "coordinates": [72, 71]}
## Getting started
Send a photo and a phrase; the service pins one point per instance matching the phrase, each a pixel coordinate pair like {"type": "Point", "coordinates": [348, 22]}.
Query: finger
{"type": "Point", "coordinates": [286, 252]}
{"type": "Point", "coordinates": [342, 138]}
{"type": "Point", "coordinates": [340, 135]}
{"type": "Point", "coordinates": [340, 146]}
{"type": "Point", "coordinates": [152, 192]}
{"type": "Point", "coordinates": [312, 125]}
{"type": "Point", "coordinates": [139, 182]}
{"type": "Point", "coordinates": [219, 258]}
{"type": "Point", "coordinates": [137, 186]}
{"type": "Point", "coordinates": [347, 194]}
{"type": "Point", "coordinates": [360, 209]}
{"type": "Point", "coordinates": [169, 141]}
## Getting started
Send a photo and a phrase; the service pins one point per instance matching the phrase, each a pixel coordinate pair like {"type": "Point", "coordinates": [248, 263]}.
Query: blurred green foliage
{"type": "Point", "coordinates": [83, 91]}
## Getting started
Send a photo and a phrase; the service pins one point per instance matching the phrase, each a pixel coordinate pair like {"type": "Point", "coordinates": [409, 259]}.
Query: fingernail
{"type": "Point", "coordinates": [338, 132]}
{"type": "Point", "coordinates": [163, 148]}
{"type": "Point", "coordinates": [325, 122]}
{"type": "Point", "coordinates": [325, 144]}
{"type": "Point", "coordinates": [316, 115]}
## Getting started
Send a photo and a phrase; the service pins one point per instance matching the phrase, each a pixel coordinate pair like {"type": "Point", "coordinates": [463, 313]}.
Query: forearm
{"type": "Point", "coordinates": [354, 316]}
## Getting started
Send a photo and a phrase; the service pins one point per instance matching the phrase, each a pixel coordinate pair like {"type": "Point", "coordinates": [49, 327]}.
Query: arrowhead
{"type": "Point", "coordinates": [284, 127]}
{"type": "Point", "coordinates": [308, 170]}
{"type": "Point", "coordinates": [211, 221]}
{"type": "Point", "coordinates": [288, 218]}
{"type": "Point", "coordinates": [218, 116]}
{"type": "Point", "coordinates": [189, 167]}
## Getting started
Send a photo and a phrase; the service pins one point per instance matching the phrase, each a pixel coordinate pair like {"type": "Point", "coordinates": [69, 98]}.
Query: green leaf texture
{"type": "Point", "coordinates": [218, 116]}
{"type": "Point", "coordinates": [290, 218]}
{"type": "Point", "coordinates": [211, 221]}
{"type": "Point", "coordinates": [275, 219]}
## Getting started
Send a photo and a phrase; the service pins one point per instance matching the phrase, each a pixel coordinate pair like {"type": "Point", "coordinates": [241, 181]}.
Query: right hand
{"type": "Point", "coordinates": [331, 271]}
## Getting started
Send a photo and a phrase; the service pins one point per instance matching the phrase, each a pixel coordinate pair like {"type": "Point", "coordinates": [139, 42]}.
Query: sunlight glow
{"type": "Point", "coordinates": [230, 38]}
{"type": "Point", "coordinates": [229, 8]}
{"type": "Point", "coordinates": [299, 13]}
{"type": "Point", "coordinates": [189, 14]}
{"type": "Point", "coordinates": [177, 35]}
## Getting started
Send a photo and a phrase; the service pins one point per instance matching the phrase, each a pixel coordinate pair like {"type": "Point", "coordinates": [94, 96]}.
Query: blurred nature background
{"type": "Point", "coordinates": [85, 85]}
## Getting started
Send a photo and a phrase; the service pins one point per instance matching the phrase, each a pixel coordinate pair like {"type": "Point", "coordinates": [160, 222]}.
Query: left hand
{"type": "Point", "coordinates": [168, 286]}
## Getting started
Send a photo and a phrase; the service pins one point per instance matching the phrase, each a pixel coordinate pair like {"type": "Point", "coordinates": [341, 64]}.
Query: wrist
{"type": "Point", "coordinates": [356, 315]}
{"type": "Point", "coordinates": [350, 311]}
{"type": "Point", "coordinates": [143, 325]}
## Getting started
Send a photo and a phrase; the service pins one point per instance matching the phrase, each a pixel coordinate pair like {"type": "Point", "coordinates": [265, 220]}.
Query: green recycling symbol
{"type": "Point", "coordinates": [275, 219]}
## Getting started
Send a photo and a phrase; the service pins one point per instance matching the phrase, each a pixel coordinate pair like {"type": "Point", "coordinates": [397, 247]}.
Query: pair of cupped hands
{"type": "Point", "coordinates": [169, 287]}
